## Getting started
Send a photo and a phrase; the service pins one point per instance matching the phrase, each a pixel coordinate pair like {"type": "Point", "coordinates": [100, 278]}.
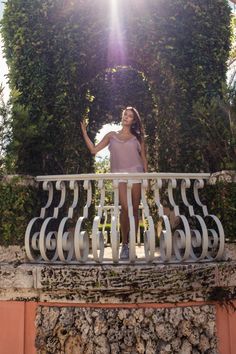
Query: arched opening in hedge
{"type": "Point", "coordinates": [111, 91]}
{"type": "Point", "coordinates": [56, 49]}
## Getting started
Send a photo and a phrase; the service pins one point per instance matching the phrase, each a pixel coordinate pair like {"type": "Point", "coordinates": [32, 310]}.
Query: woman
{"type": "Point", "coordinates": [127, 154]}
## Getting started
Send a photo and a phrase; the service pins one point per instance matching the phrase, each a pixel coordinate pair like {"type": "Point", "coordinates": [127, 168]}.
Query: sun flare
{"type": "Point", "coordinates": [116, 48]}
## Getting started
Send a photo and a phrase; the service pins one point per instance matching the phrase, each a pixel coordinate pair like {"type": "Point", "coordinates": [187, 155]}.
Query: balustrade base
{"type": "Point", "coordinates": [118, 283]}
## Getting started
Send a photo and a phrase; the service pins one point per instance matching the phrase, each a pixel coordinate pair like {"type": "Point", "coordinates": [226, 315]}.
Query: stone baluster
{"type": "Point", "coordinates": [166, 235]}
{"type": "Point", "coordinates": [33, 229]}
{"type": "Point", "coordinates": [199, 239]}
{"type": "Point", "coordinates": [132, 236]}
{"type": "Point", "coordinates": [65, 238]}
{"type": "Point", "coordinates": [48, 239]}
{"type": "Point", "coordinates": [97, 236]}
{"type": "Point", "coordinates": [81, 241]}
{"type": "Point", "coordinates": [216, 238]}
{"type": "Point", "coordinates": [181, 237]}
{"type": "Point", "coordinates": [149, 233]}
{"type": "Point", "coordinates": [104, 232]}
{"type": "Point", "coordinates": [115, 234]}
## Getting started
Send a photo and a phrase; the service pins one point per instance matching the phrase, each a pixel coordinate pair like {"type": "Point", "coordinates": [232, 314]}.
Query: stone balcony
{"type": "Point", "coordinates": [59, 233]}
{"type": "Point", "coordinates": [71, 293]}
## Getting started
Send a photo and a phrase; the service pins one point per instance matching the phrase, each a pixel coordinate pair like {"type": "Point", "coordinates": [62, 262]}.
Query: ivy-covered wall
{"type": "Point", "coordinates": [57, 48]}
{"type": "Point", "coordinates": [221, 201]}
{"type": "Point", "coordinates": [20, 202]}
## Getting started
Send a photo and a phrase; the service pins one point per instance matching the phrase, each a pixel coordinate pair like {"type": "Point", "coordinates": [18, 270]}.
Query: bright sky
{"type": "Point", "coordinates": [105, 129]}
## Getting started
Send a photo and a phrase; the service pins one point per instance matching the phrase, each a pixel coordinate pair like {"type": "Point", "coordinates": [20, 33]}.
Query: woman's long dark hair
{"type": "Point", "coordinates": [136, 127]}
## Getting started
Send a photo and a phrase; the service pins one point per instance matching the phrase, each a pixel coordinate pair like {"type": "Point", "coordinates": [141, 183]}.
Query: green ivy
{"type": "Point", "coordinates": [18, 204]}
{"type": "Point", "coordinates": [221, 201]}
{"type": "Point", "coordinates": [175, 53]}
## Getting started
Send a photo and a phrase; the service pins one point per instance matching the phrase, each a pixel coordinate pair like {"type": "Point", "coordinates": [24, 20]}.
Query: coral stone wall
{"type": "Point", "coordinates": [180, 330]}
{"type": "Point", "coordinates": [156, 308]}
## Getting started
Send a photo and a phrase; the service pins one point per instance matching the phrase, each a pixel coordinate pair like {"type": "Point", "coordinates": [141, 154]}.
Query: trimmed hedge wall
{"type": "Point", "coordinates": [55, 50]}
{"type": "Point", "coordinates": [221, 201]}
{"type": "Point", "coordinates": [19, 203]}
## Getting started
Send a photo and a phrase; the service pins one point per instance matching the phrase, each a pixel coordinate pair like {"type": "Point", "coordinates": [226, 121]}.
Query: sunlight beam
{"type": "Point", "coordinates": [116, 47]}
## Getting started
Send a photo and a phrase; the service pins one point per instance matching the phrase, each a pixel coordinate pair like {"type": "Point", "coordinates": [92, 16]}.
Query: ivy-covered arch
{"type": "Point", "coordinates": [57, 48]}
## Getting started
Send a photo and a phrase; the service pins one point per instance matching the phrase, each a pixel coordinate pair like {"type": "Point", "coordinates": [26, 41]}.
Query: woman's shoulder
{"type": "Point", "coordinates": [111, 134]}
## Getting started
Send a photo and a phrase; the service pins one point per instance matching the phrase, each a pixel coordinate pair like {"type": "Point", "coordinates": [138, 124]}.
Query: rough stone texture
{"type": "Point", "coordinates": [16, 277]}
{"type": "Point", "coordinates": [119, 284]}
{"type": "Point", "coordinates": [92, 330]}
{"type": "Point", "coordinates": [227, 176]}
{"type": "Point", "coordinates": [12, 254]}
{"type": "Point", "coordinates": [230, 251]}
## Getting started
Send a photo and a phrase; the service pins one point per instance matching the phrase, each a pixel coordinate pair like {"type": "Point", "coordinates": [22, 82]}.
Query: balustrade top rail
{"type": "Point", "coordinates": [106, 176]}
{"type": "Point", "coordinates": [57, 235]}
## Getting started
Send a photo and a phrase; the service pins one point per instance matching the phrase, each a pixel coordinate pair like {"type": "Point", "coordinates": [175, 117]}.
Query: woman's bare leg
{"type": "Point", "coordinates": [136, 196]}
{"type": "Point", "coordinates": [124, 218]}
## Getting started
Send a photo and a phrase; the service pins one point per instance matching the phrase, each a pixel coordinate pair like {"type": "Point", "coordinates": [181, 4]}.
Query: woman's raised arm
{"type": "Point", "coordinates": [94, 149]}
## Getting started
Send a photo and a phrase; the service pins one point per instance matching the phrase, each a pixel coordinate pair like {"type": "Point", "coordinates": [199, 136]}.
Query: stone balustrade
{"type": "Point", "coordinates": [60, 233]}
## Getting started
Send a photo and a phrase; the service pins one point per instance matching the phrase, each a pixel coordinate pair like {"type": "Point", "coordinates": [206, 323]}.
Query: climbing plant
{"type": "Point", "coordinates": [65, 64]}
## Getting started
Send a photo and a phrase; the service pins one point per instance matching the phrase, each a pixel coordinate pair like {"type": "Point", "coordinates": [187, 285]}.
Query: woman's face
{"type": "Point", "coordinates": [127, 117]}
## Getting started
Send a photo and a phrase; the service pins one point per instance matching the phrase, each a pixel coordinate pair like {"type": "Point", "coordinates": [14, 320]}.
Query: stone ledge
{"type": "Point", "coordinates": [12, 253]}
{"type": "Point", "coordinates": [226, 176]}
{"type": "Point", "coordinates": [116, 284]}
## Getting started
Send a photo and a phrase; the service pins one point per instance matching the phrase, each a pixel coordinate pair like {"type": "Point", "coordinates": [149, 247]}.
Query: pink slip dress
{"type": "Point", "coordinates": [125, 156]}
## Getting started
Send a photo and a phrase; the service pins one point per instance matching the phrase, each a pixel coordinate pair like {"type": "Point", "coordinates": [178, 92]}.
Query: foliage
{"type": "Point", "coordinates": [19, 203]}
{"type": "Point", "coordinates": [103, 166]}
{"type": "Point", "coordinates": [221, 201]}
{"type": "Point", "coordinates": [232, 56]}
{"type": "Point", "coordinates": [195, 65]}
{"type": "Point", "coordinates": [61, 62]}
{"type": "Point", "coordinates": [217, 122]}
